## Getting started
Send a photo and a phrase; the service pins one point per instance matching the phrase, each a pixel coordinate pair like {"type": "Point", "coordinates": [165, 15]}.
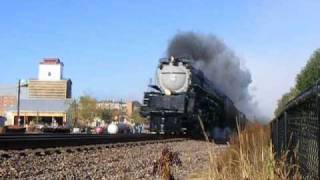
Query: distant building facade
{"type": "Point", "coordinates": [50, 83]}
{"type": "Point", "coordinates": [59, 89]}
{"type": "Point", "coordinates": [124, 108]}
{"type": "Point", "coordinates": [112, 105]}
{"type": "Point", "coordinates": [132, 106]}
{"type": "Point", "coordinates": [50, 69]}
{"type": "Point", "coordinates": [6, 101]}
{"type": "Point", "coordinates": [48, 97]}
{"type": "Point", "coordinates": [40, 112]}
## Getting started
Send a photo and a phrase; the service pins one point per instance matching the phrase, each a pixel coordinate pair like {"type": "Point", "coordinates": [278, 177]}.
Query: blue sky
{"type": "Point", "coordinates": [111, 48]}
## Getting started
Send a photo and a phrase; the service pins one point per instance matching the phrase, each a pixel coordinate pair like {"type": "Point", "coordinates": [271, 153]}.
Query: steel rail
{"type": "Point", "coordinates": [19, 142]}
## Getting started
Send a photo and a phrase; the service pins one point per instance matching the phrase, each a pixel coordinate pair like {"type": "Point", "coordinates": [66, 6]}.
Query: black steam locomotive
{"type": "Point", "coordinates": [182, 97]}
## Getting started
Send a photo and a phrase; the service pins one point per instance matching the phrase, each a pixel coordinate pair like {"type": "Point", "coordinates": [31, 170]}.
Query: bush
{"type": "Point", "coordinates": [249, 156]}
{"type": "Point", "coordinates": [308, 76]}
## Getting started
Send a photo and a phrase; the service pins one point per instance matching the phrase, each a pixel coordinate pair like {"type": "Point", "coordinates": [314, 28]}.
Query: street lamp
{"type": "Point", "coordinates": [22, 83]}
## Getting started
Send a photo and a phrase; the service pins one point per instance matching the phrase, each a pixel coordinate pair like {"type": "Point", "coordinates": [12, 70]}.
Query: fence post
{"type": "Point", "coordinates": [318, 114]}
{"type": "Point", "coordinates": [285, 131]}
{"type": "Point", "coordinates": [278, 143]}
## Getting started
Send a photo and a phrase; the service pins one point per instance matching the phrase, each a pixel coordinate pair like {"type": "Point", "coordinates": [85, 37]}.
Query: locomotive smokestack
{"type": "Point", "coordinates": [218, 63]}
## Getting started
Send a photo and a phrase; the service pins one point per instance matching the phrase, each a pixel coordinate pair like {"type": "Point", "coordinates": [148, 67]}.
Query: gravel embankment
{"type": "Point", "coordinates": [106, 163]}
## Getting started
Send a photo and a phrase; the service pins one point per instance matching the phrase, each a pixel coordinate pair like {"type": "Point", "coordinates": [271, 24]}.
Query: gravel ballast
{"type": "Point", "coordinates": [106, 163]}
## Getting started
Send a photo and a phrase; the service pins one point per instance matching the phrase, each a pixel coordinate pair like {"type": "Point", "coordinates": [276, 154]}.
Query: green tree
{"type": "Point", "coordinates": [310, 74]}
{"type": "Point", "coordinates": [137, 118]}
{"type": "Point", "coordinates": [87, 108]}
{"type": "Point", "coordinates": [72, 113]}
{"type": "Point", "coordinates": [285, 100]}
{"type": "Point", "coordinates": [105, 115]}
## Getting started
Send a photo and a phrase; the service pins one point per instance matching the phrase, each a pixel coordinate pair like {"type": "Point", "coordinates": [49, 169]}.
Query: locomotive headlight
{"type": "Point", "coordinates": [167, 92]}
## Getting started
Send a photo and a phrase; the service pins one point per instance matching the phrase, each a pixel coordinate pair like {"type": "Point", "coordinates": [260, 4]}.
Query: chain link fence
{"type": "Point", "coordinates": [296, 132]}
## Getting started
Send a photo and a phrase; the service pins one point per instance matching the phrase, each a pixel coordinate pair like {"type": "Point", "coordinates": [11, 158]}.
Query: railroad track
{"type": "Point", "coordinates": [36, 141]}
{"type": "Point", "coordinates": [7, 154]}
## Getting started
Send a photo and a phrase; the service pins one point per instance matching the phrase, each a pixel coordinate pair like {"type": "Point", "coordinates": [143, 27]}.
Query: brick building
{"type": "Point", "coordinates": [132, 106]}
{"type": "Point", "coordinates": [124, 108]}
{"type": "Point", "coordinates": [6, 101]}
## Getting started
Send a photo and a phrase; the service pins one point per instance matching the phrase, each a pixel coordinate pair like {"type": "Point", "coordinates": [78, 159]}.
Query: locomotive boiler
{"type": "Point", "coordinates": [182, 96]}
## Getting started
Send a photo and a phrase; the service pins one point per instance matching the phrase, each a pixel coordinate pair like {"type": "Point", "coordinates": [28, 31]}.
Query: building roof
{"type": "Point", "coordinates": [51, 61]}
{"type": "Point", "coordinates": [37, 105]}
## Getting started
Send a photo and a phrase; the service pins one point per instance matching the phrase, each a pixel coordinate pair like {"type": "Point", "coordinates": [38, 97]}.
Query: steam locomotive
{"type": "Point", "coordinates": [183, 99]}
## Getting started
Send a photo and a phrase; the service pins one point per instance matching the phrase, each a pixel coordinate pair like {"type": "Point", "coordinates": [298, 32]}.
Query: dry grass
{"type": "Point", "coordinates": [250, 156]}
{"type": "Point", "coordinates": [163, 167]}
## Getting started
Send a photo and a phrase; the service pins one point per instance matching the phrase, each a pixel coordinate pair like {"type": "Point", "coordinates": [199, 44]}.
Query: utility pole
{"type": "Point", "coordinates": [75, 112]}
{"type": "Point", "coordinates": [18, 105]}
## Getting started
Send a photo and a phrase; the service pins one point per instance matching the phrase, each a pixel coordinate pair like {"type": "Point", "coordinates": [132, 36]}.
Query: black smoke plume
{"type": "Point", "coordinates": [218, 63]}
